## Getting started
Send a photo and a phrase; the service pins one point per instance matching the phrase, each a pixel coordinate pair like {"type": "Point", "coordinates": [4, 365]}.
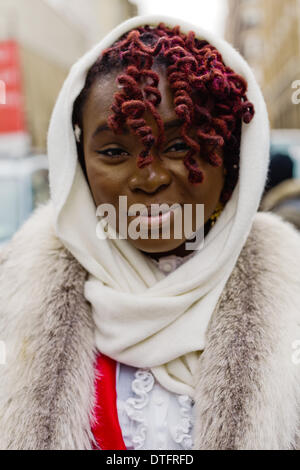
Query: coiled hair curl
{"type": "Point", "coordinates": [207, 94]}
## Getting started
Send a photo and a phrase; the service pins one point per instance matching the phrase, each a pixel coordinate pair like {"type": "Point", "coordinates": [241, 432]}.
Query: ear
{"type": "Point", "coordinates": [80, 155]}
{"type": "Point", "coordinates": [78, 133]}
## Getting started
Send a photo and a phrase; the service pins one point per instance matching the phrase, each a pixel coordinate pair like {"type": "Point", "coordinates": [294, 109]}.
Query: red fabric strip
{"type": "Point", "coordinates": [107, 430]}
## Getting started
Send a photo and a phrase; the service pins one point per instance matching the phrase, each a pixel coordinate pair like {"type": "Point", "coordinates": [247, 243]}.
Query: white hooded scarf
{"type": "Point", "coordinates": [143, 318]}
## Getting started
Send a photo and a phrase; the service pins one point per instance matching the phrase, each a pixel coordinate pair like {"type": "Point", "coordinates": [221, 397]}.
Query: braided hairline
{"type": "Point", "coordinates": [217, 109]}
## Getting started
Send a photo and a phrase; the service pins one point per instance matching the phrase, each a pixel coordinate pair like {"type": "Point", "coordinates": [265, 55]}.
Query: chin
{"type": "Point", "coordinates": [156, 246]}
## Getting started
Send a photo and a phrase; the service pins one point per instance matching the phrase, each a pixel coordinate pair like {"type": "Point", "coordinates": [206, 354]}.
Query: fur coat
{"type": "Point", "coordinates": [248, 378]}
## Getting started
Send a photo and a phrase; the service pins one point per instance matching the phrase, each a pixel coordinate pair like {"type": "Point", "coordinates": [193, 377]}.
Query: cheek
{"type": "Point", "coordinates": [209, 191]}
{"type": "Point", "coordinates": [213, 182]}
{"type": "Point", "coordinates": [105, 182]}
{"type": "Point", "coordinates": [211, 186]}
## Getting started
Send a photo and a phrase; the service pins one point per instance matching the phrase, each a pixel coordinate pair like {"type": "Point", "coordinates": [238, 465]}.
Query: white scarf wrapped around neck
{"type": "Point", "coordinates": [144, 318]}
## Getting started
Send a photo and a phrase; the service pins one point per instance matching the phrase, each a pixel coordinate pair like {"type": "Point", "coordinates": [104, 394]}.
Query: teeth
{"type": "Point", "coordinates": [153, 211]}
{"type": "Point", "coordinates": [147, 212]}
{"type": "Point", "coordinates": [137, 211]}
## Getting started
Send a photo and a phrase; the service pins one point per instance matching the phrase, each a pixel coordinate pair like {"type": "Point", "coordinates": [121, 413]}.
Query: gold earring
{"type": "Point", "coordinates": [217, 212]}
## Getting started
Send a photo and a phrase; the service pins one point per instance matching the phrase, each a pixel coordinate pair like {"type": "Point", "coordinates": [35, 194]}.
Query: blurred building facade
{"type": "Point", "coordinates": [52, 35]}
{"type": "Point", "coordinates": [267, 33]}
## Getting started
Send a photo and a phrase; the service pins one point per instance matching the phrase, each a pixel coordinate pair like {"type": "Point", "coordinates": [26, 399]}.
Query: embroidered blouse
{"type": "Point", "coordinates": [150, 416]}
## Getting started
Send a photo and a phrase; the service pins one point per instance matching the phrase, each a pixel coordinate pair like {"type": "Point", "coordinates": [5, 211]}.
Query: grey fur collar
{"type": "Point", "coordinates": [248, 387]}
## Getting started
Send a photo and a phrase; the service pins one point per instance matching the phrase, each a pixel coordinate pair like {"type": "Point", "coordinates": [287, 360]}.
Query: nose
{"type": "Point", "coordinates": [151, 177]}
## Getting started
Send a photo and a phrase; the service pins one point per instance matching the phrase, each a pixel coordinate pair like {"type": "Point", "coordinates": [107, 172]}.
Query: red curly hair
{"type": "Point", "coordinates": [207, 94]}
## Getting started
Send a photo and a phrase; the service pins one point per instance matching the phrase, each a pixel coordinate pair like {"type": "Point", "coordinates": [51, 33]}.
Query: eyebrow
{"type": "Point", "coordinates": [167, 125]}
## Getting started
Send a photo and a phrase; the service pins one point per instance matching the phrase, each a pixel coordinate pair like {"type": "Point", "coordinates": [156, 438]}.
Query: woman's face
{"type": "Point", "coordinates": [112, 171]}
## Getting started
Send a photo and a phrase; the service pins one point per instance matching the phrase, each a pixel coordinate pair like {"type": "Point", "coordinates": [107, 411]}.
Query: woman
{"type": "Point", "coordinates": [146, 343]}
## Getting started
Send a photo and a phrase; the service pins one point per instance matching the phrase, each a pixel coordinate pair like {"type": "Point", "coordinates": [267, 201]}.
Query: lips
{"type": "Point", "coordinates": [156, 210]}
{"type": "Point", "coordinates": [163, 215]}
{"type": "Point", "coordinates": [154, 221]}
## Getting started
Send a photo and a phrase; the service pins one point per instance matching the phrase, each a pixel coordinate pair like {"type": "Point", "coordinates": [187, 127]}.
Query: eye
{"type": "Point", "coordinates": [113, 152]}
{"type": "Point", "coordinates": [178, 147]}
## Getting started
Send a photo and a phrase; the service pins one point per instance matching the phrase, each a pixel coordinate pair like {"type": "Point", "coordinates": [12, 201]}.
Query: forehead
{"type": "Point", "coordinates": [101, 97]}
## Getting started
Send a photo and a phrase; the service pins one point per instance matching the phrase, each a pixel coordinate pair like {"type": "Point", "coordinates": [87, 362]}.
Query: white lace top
{"type": "Point", "coordinates": [150, 416]}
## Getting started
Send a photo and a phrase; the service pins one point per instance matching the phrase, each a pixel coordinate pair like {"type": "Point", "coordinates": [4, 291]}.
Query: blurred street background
{"type": "Point", "coordinates": [41, 39]}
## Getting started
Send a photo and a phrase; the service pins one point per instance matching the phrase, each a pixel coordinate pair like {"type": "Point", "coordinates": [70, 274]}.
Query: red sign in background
{"type": "Point", "coordinates": [12, 117]}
